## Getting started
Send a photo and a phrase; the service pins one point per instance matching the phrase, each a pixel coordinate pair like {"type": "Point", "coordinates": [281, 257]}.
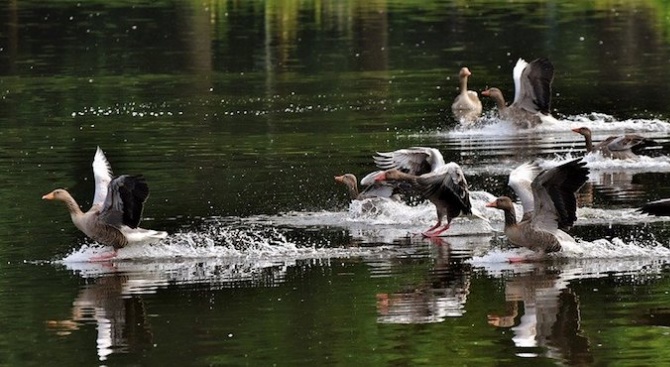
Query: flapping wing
{"type": "Point", "coordinates": [384, 189]}
{"type": "Point", "coordinates": [520, 180]}
{"type": "Point", "coordinates": [369, 179]}
{"type": "Point", "coordinates": [377, 190]}
{"type": "Point", "coordinates": [414, 161]}
{"type": "Point", "coordinates": [102, 174]}
{"type": "Point", "coordinates": [125, 201]}
{"type": "Point", "coordinates": [632, 142]}
{"type": "Point", "coordinates": [516, 74]}
{"type": "Point", "coordinates": [658, 207]}
{"type": "Point", "coordinates": [534, 86]}
{"type": "Point", "coordinates": [554, 192]}
{"type": "Point", "coordinates": [447, 185]}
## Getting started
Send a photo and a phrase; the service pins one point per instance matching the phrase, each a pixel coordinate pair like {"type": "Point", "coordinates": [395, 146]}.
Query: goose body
{"type": "Point", "coordinates": [549, 202]}
{"type": "Point", "coordinates": [616, 147]}
{"type": "Point", "coordinates": [532, 94]}
{"type": "Point", "coordinates": [443, 184]}
{"type": "Point", "coordinates": [466, 107]}
{"type": "Point", "coordinates": [116, 211]}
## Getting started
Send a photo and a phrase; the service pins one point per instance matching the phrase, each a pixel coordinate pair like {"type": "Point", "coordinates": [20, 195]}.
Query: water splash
{"type": "Point", "coordinates": [219, 240]}
{"type": "Point", "coordinates": [599, 123]}
{"type": "Point", "coordinates": [600, 249]}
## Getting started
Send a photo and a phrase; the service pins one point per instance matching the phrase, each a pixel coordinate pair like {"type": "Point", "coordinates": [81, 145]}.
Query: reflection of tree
{"type": "Point", "coordinates": [550, 316]}
{"type": "Point", "coordinates": [443, 294]}
{"type": "Point", "coordinates": [121, 320]}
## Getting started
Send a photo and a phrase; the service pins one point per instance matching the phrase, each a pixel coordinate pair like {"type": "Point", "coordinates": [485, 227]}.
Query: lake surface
{"type": "Point", "coordinates": [239, 114]}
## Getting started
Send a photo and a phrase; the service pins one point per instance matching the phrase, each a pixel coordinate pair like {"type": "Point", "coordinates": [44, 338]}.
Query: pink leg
{"type": "Point", "coordinates": [427, 233]}
{"type": "Point", "coordinates": [104, 257]}
{"type": "Point", "coordinates": [540, 256]}
{"type": "Point", "coordinates": [439, 231]}
{"type": "Point", "coordinates": [516, 259]}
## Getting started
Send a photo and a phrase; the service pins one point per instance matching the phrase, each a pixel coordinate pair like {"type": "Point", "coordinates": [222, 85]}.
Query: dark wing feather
{"type": "Point", "coordinates": [559, 185]}
{"type": "Point", "coordinates": [449, 187]}
{"type": "Point", "coordinates": [535, 85]}
{"type": "Point", "coordinates": [658, 207]}
{"type": "Point", "coordinates": [632, 142]}
{"type": "Point", "coordinates": [125, 201]}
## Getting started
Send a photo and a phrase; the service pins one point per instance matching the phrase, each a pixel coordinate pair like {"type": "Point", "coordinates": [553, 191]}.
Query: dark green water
{"type": "Point", "coordinates": [239, 113]}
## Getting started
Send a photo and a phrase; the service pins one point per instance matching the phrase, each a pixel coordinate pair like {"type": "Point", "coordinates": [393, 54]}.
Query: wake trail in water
{"type": "Point", "coordinates": [221, 240]}
{"type": "Point", "coordinates": [599, 123]}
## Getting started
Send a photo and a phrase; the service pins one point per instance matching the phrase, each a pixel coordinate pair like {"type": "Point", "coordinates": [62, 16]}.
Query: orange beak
{"type": "Point", "coordinates": [381, 176]}
{"type": "Point", "coordinates": [576, 130]}
{"type": "Point", "coordinates": [492, 204]}
{"type": "Point", "coordinates": [339, 178]}
{"type": "Point", "coordinates": [49, 196]}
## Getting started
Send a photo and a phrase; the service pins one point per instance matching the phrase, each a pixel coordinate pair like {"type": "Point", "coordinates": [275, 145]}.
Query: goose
{"type": "Point", "coordinates": [443, 184]}
{"type": "Point", "coordinates": [532, 94]}
{"type": "Point", "coordinates": [466, 107]}
{"type": "Point", "coordinates": [616, 147]}
{"type": "Point", "coordinates": [658, 208]}
{"type": "Point", "coordinates": [549, 202]}
{"type": "Point", "coordinates": [115, 213]}
{"type": "Point", "coordinates": [373, 189]}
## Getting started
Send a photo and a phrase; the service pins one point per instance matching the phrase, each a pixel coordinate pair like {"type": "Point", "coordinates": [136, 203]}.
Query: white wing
{"type": "Point", "coordinates": [369, 179]}
{"type": "Point", "coordinates": [102, 172]}
{"type": "Point", "coordinates": [415, 161]}
{"type": "Point", "coordinates": [520, 180]}
{"type": "Point", "coordinates": [516, 74]}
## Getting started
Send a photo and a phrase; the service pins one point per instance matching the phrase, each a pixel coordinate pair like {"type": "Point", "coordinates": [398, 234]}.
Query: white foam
{"type": "Point", "coordinates": [599, 123]}
{"type": "Point", "coordinates": [599, 249]}
{"type": "Point", "coordinates": [222, 240]}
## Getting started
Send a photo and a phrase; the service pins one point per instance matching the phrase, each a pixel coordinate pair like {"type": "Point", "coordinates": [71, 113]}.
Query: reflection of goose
{"type": "Point", "coordinates": [467, 106]}
{"type": "Point", "coordinates": [658, 207]}
{"type": "Point", "coordinates": [116, 211]}
{"type": "Point", "coordinates": [373, 188]}
{"type": "Point", "coordinates": [617, 147]}
{"type": "Point", "coordinates": [442, 294]}
{"type": "Point", "coordinates": [443, 184]}
{"type": "Point", "coordinates": [549, 204]}
{"type": "Point", "coordinates": [550, 316]}
{"type": "Point", "coordinates": [121, 319]}
{"type": "Point", "coordinates": [532, 93]}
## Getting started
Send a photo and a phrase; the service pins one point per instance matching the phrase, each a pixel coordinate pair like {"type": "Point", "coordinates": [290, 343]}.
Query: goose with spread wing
{"type": "Point", "coordinates": [466, 107]}
{"type": "Point", "coordinates": [116, 211]}
{"type": "Point", "coordinates": [626, 146]}
{"type": "Point", "coordinates": [549, 202]}
{"type": "Point", "coordinates": [443, 184]}
{"type": "Point", "coordinates": [532, 93]}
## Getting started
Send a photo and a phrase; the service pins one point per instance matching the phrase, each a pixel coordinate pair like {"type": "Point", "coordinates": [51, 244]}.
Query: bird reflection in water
{"type": "Point", "coordinates": [442, 294]}
{"type": "Point", "coordinates": [121, 319]}
{"type": "Point", "coordinates": [550, 316]}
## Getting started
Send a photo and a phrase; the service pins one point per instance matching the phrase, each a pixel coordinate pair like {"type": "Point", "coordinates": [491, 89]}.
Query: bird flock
{"type": "Point", "coordinates": [547, 196]}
